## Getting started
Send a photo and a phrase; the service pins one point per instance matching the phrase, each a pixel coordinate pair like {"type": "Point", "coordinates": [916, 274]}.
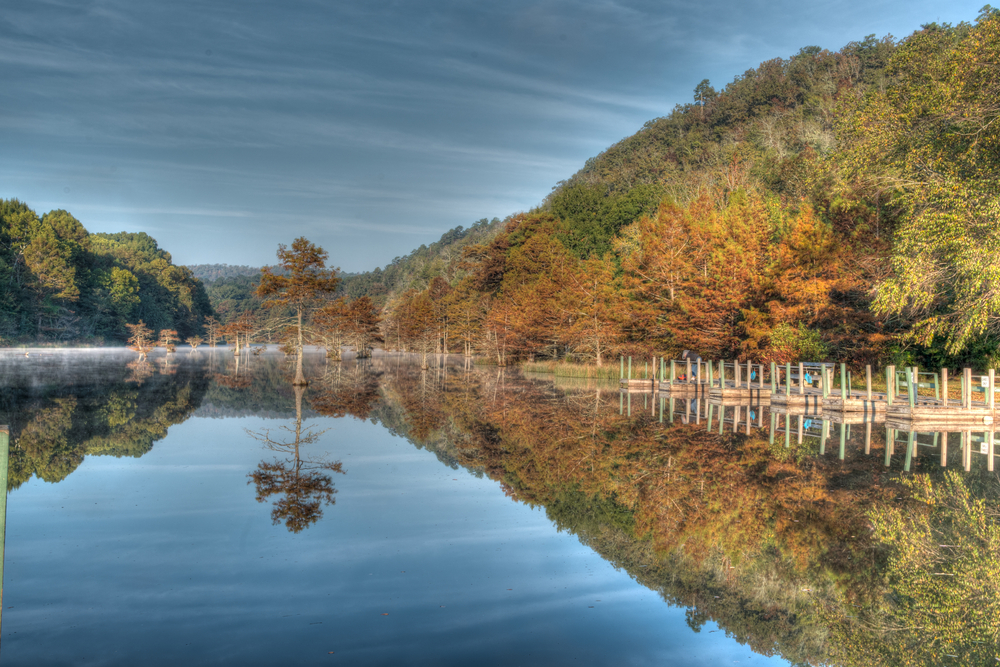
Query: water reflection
{"type": "Point", "coordinates": [300, 483]}
{"type": "Point", "coordinates": [819, 540]}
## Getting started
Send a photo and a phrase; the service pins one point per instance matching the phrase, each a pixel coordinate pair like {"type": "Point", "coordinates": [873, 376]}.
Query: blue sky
{"type": "Point", "coordinates": [225, 128]}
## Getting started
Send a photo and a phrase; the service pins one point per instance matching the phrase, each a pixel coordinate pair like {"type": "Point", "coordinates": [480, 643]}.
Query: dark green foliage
{"type": "Point", "coordinates": [593, 214]}
{"type": "Point", "coordinates": [63, 284]}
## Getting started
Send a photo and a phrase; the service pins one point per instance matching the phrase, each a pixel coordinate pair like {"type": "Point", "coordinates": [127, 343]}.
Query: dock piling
{"type": "Point", "coordinates": [868, 381]}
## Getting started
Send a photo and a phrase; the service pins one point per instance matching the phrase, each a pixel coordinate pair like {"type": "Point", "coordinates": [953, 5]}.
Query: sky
{"type": "Point", "coordinates": [225, 128]}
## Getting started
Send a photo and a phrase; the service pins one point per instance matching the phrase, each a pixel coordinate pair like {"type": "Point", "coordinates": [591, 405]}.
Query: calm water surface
{"type": "Point", "coordinates": [198, 510]}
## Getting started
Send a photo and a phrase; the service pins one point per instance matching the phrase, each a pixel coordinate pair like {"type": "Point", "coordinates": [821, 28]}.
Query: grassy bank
{"type": "Point", "coordinates": [563, 369]}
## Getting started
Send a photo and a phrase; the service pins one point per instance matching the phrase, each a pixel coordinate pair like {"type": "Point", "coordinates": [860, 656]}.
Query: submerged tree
{"type": "Point", "coordinates": [305, 280]}
{"type": "Point", "coordinates": [140, 338]}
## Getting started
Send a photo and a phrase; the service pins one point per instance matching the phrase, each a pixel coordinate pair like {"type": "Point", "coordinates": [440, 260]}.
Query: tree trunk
{"type": "Point", "coordinates": [300, 379]}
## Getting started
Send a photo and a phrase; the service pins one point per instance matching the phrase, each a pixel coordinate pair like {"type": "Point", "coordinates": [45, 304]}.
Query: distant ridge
{"type": "Point", "coordinates": [209, 272]}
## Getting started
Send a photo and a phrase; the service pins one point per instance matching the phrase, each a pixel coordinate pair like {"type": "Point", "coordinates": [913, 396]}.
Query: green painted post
{"type": "Point", "coordinates": [937, 388]}
{"type": "Point", "coordinates": [630, 404]}
{"type": "Point", "coordinates": [774, 378]}
{"type": "Point", "coordinates": [788, 432]}
{"type": "Point", "coordinates": [710, 374]}
{"type": "Point", "coordinates": [774, 425]}
{"type": "Point", "coordinates": [671, 411]}
{"type": "Point", "coordinates": [711, 411]}
{"type": "Point", "coordinates": [630, 369]}
{"type": "Point", "coordinates": [823, 433]}
{"type": "Point", "coordinates": [645, 370]}
{"type": "Point", "coordinates": [621, 403]}
{"type": "Point", "coordinates": [722, 374]}
{"type": "Point", "coordinates": [843, 384]}
{"type": "Point", "coordinates": [890, 437]}
{"type": "Point", "coordinates": [661, 408]}
{"type": "Point", "coordinates": [673, 372]}
{"type": "Point", "coordinates": [843, 440]}
{"type": "Point", "coordinates": [621, 374]}
{"type": "Point", "coordinates": [722, 418]}
{"type": "Point", "coordinates": [909, 451]}
{"type": "Point", "coordinates": [788, 378]}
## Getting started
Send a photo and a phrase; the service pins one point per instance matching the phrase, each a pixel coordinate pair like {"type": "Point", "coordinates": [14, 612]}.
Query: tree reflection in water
{"type": "Point", "coordinates": [301, 483]}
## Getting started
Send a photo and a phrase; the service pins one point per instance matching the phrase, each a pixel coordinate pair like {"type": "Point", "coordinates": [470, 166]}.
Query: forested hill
{"type": "Point", "coordinates": [207, 272]}
{"type": "Point", "coordinates": [62, 283]}
{"type": "Point", "coordinates": [416, 270]}
{"type": "Point", "coordinates": [829, 205]}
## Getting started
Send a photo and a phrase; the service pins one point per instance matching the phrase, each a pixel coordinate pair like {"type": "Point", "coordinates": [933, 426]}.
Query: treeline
{"type": "Point", "coordinates": [62, 283]}
{"type": "Point", "coordinates": [833, 205]}
{"type": "Point", "coordinates": [209, 272]}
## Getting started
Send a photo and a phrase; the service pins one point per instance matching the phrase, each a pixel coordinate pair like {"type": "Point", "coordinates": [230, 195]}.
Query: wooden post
{"type": "Point", "coordinates": [944, 449]}
{"type": "Point", "coordinates": [843, 383]}
{"type": "Point", "coordinates": [630, 369]}
{"type": "Point", "coordinates": [774, 378]}
{"type": "Point", "coordinates": [788, 378]}
{"type": "Point", "coordinates": [890, 438]}
{"type": "Point", "coordinates": [944, 387]}
{"type": "Point", "coordinates": [687, 370]}
{"type": "Point", "coordinates": [990, 389]}
{"type": "Point", "coordinates": [722, 374]}
{"type": "Point", "coordinates": [774, 425]}
{"type": "Point", "coordinates": [868, 382]}
{"type": "Point", "coordinates": [911, 386]}
{"type": "Point", "coordinates": [968, 387]}
{"type": "Point", "coordinates": [843, 440]}
{"type": "Point", "coordinates": [671, 411]}
{"type": "Point", "coordinates": [621, 374]}
{"type": "Point", "coordinates": [890, 378]}
{"type": "Point", "coordinates": [710, 374]}
{"type": "Point", "coordinates": [868, 438]}
{"type": "Point", "coordinates": [798, 439]}
{"type": "Point", "coordinates": [824, 432]}
{"type": "Point", "coordinates": [968, 451]}
{"type": "Point", "coordinates": [989, 452]}
{"type": "Point", "coordinates": [788, 431]}
{"type": "Point", "coordinates": [736, 372]}
{"type": "Point", "coordinates": [673, 372]}
{"type": "Point", "coordinates": [802, 378]}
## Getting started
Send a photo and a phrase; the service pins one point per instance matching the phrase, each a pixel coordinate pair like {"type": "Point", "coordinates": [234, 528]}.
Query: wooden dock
{"type": "Point", "coordinates": [856, 403]}
{"type": "Point", "coordinates": [814, 388]}
{"type": "Point", "coordinates": [648, 385]}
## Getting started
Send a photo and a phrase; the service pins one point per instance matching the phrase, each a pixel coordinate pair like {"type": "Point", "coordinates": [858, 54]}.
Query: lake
{"type": "Point", "coordinates": [198, 509]}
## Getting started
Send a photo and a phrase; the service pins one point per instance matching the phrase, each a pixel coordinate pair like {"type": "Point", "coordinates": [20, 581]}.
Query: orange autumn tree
{"type": "Point", "coordinates": [691, 271]}
{"type": "Point", "coordinates": [594, 305]}
{"type": "Point", "coordinates": [303, 282]}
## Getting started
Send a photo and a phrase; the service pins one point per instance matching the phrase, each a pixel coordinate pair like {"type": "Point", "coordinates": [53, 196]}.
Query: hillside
{"type": "Point", "coordinates": [63, 283]}
{"type": "Point", "coordinates": [835, 205]}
